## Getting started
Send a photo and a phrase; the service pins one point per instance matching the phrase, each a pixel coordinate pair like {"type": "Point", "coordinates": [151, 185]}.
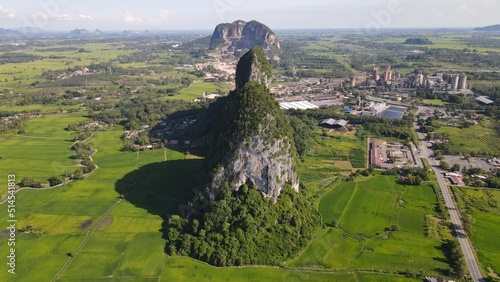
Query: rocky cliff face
{"type": "Point", "coordinates": [253, 141]}
{"type": "Point", "coordinates": [239, 37]}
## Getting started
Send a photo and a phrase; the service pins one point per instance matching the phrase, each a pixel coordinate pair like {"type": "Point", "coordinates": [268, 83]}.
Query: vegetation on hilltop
{"type": "Point", "coordinates": [243, 116]}
{"type": "Point", "coordinates": [243, 228]}
{"type": "Point", "coordinates": [252, 63]}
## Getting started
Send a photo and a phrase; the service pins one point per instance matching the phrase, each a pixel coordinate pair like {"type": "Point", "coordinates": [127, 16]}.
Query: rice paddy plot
{"type": "Point", "coordinates": [370, 277]}
{"type": "Point", "coordinates": [332, 249]}
{"type": "Point", "coordinates": [101, 242]}
{"type": "Point", "coordinates": [400, 252]}
{"type": "Point", "coordinates": [372, 209]}
{"type": "Point", "coordinates": [364, 209]}
{"type": "Point", "coordinates": [97, 190]}
{"type": "Point", "coordinates": [56, 224]}
{"type": "Point", "coordinates": [482, 205]}
{"type": "Point", "coordinates": [125, 224]}
{"type": "Point", "coordinates": [186, 269]}
{"type": "Point", "coordinates": [43, 253]}
{"type": "Point", "coordinates": [76, 208]}
{"type": "Point", "coordinates": [44, 270]}
{"type": "Point", "coordinates": [144, 256]}
{"type": "Point", "coordinates": [486, 238]}
{"type": "Point", "coordinates": [92, 266]}
{"type": "Point", "coordinates": [333, 204]}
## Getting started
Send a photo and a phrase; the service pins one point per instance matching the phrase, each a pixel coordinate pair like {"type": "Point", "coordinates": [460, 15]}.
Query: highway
{"type": "Point", "coordinates": [465, 244]}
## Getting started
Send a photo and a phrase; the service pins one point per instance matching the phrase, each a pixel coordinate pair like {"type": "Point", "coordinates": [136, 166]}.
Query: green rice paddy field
{"type": "Point", "coordinates": [42, 152]}
{"type": "Point", "coordinates": [482, 206]}
{"type": "Point", "coordinates": [477, 138]}
{"type": "Point", "coordinates": [86, 226]}
{"type": "Point", "coordinates": [362, 210]}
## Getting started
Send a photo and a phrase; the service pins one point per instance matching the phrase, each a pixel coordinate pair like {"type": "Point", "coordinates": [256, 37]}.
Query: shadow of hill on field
{"type": "Point", "coordinates": [161, 187]}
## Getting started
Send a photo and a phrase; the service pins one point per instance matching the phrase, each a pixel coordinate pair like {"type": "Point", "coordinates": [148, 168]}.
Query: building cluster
{"type": "Point", "coordinates": [387, 156]}
{"type": "Point", "coordinates": [439, 82]}
{"type": "Point", "coordinates": [375, 78]}
{"type": "Point", "coordinates": [308, 86]}
{"type": "Point", "coordinates": [389, 78]}
{"type": "Point", "coordinates": [455, 178]}
{"type": "Point", "coordinates": [82, 71]}
{"type": "Point", "coordinates": [304, 102]}
{"type": "Point", "coordinates": [9, 119]}
{"type": "Point", "coordinates": [376, 108]}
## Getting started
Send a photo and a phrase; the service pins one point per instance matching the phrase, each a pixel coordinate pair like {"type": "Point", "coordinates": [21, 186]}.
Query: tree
{"type": "Point", "coordinates": [30, 182]}
{"type": "Point", "coordinates": [444, 165]}
{"type": "Point", "coordinates": [78, 175]}
{"type": "Point", "coordinates": [468, 222]}
{"type": "Point", "coordinates": [455, 167]}
{"type": "Point", "coordinates": [453, 253]}
{"type": "Point", "coordinates": [56, 180]}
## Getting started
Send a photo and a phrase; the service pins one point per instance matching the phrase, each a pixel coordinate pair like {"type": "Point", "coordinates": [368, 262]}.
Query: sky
{"type": "Point", "coordinates": [64, 15]}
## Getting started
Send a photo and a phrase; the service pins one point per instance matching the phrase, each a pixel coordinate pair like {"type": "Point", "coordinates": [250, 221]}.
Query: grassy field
{"type": "Point", "coordinates": [42, 152]}
{"type": "Point", "coordinates": [363, 244]}
{"type": "Point", "coordinates": [482, 206]}
{"type": "Point", "coordinates": [64, 215]}
{"type": "Point", "coordinates": [34, 108]}
{"type": "Point", "coordinates": [57, 60]}
{"type": "Point", "coordinates": [185, 269]}
{"type": "Point", "coordinates": [477, 138]}
{"type": "Point", "coordinates": [435, 103]}
{"type": "Point", "coordinates": [333, 153]}
{"type": "Point", "coordinates": [195, 91]}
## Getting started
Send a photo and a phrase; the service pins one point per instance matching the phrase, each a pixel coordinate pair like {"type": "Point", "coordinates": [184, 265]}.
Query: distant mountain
{"type": "Point", "coordinates": [240, 36]}
{"type": "Point", "coordinates": [9, 33]}
{"type": "Point", "coordinates": [79, 31]}
{"type": "Point", "coordinates": [28, 29]}
{"type": "Point", "coordinates": [489, 28]}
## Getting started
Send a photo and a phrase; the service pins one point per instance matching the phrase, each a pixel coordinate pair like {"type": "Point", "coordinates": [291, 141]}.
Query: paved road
{"type": "Point", "coordinates": [465, 244]}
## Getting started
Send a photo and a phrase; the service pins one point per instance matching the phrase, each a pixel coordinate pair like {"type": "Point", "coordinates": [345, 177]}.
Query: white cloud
{"type": "Point", "coordinates": [61, 17]}
{"type": "Point", "coordinates": [64, 17]}
{"type": "Point", "coordinates": [463, 8]}
{"type": "Point", "coordinates": [86, 17]}
{"type": "Point", "coordinates": [6, 13]}
{"type": "Point", "coordinates": [128, 18]}
{"type": "Point", "coordinates": [164, 14]}
{"type": "Point", "coordinates": [438, 14]}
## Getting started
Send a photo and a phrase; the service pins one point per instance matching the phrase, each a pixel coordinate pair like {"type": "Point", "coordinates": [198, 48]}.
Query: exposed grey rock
{"type": "Point", "coordinates": [240, 36]}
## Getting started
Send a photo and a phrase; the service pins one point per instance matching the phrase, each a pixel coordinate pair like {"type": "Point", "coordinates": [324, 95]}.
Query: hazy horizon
{"type": "Point", "coordinates": [114, 15]}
